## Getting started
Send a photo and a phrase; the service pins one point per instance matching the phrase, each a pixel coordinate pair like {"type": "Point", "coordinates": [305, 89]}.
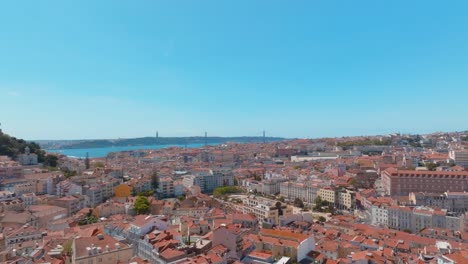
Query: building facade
{"type": "Point", "coordinates": [403, 182]}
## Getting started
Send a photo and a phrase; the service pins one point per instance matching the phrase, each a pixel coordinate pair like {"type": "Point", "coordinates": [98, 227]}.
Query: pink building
{"type": "Point", "coordinates": [403, 182]}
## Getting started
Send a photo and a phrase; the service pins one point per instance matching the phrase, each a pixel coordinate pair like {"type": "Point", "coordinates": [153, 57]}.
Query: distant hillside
{"type": "Point", "coordinates": [103, 143]}
{"type": "Point", "coordinates": [11, 147]}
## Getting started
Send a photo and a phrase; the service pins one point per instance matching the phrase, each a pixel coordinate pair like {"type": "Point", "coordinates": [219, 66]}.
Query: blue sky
{"type": "Point", "coordinates": [108, 69]}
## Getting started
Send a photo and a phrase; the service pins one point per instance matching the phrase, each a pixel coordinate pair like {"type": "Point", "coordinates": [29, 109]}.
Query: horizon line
{"type": "Point", "coordinates": [287, 138]}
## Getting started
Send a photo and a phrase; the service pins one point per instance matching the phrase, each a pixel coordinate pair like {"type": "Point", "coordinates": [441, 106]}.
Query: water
{"type": "Point", "coordinates": [102, 152]}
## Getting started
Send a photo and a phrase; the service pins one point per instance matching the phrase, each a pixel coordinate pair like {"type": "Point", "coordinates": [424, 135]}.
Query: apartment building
{"type": "Point", "coordinates": [21, 235]}
{"type": "Point", "coordinates": [20, 189]}
{"type": "Point", "coordinates": [416, 219]}
{"type": "Point", "coordinates": [12, 205]}
{"type": "Point", "coordinates": [459, 156]}
{"type": "Point", "coordinates": [9, 168]}
{"type": "Point", "coordinates": [141, 185]}
{"type": "Point", "coordinates": [29, 199]}
{"type": "Point", "coordinates": [307, 192]}
{"type": "Point", "coordinates": [265, 209]}
{"type": "Point", "coordinates": [229, 236]}
{"type": "Point", "coordinates": [328, 194]}
{"type": "Point", "coordinates": [379, 215]}
{"type": "Point", "coordinates": [400, 217]}
{"type": "Point", "coordinates": [208, 181]}
{"type": "Point", "coordinates": [44, 183]}
{"type": "Point", "coordinates": [281, 243]}
{"type": "Point", "coordinates": [100, 249]}
{"type": "Point", "coordinates": [346, 199]}
{"type": "Point", "coordinates": [403, 182]}
{"type": "Point", "coordinates": [101, 191]}
{"type": "Point", "coordinates": [95, 195]}
{"type": "Point", "coordinates": [70, 203]}
{"type": "Point", "coordinates": [7, 195]}
{"type": "Point", "coordinates": [67, 188]}
{"type": "Point", "coordinates": [452, 201]}
{"type": "Point", "coordinates": [270, 186]}
{"type": "Point", "coordinates": [47, 213]}
{"type": "Point", "coordinates": [166, 187]}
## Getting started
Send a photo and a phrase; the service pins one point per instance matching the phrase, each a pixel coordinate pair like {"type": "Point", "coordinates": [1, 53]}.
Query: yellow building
{"type": "Point", "coordinates": [327, 194]}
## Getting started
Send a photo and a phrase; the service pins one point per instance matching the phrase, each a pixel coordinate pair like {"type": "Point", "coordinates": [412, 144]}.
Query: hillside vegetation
{"type": "Point", "coordinates": [12, 147]}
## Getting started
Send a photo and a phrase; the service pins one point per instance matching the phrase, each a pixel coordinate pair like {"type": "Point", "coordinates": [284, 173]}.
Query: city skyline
{"type": "Point", "coordinates": [305, 70]}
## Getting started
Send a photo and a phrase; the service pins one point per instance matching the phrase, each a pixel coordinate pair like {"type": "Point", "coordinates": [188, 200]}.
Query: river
{"type": "Point", "coordinates": [102, 152]}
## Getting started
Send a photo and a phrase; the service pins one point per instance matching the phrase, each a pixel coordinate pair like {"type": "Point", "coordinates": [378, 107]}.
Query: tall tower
{"type": "Point", "coordinates": [87, 161]}
{"type": "Point", "coordinates": [264, 140]}
{"type": "Point", "coordinates": [206, 138]}
{"type": "Point", "coordinates": [157, 137]}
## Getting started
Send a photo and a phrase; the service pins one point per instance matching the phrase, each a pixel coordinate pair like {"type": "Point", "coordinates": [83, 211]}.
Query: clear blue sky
{"type": "Point", "coordinates": [108, 69]}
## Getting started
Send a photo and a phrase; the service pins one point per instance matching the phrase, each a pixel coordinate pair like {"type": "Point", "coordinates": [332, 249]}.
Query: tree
{"type": "Point", "coordinates": [298, 203]}
{"type": "Point", "coordinates": [68, 248]}
{"type": "Point", "coordinates": [257, 177]}
{"type": "Point", "coordinates": [431, 166]}
{"type": "Point", "coordinates": [141, 205]}
{"type": "Point", "coordinates": [87, 161]}
{"type": "Point", "coordinates": [322, 219]}
{"type": "Point", "coordinates": [319, 203]}
{"type": "Point", "coordinates": [279, 206]}
{"type": "Point", "coordinates": [68, 173]}
{"type": "Point", "coordinates": [99, 165]}
{"type": "Point", "coordinates": [12, 147]}
{"type": "Point", "coordinates": [50, 160]}
{"type": "Point", "coordinates": [89, 219]}
{"type": "Point", "coordinates": [220, 191]}
{"type": "Point", "coordinates": [146, 193]}
{"type": "Point", "coordinates": [155, 180]}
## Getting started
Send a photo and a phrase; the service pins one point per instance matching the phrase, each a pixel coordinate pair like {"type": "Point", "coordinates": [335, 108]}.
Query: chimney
{"type": "Point", "coordinates": [117, 245]}
{"type": "Point", "coordinates": [107, 248]}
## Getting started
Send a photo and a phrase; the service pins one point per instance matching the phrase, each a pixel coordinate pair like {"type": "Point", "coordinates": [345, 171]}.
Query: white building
{"type": "Point", "coordinates": [29, 199]}
{"type": "Point", "coordinates": [67, 188]}
{"type": "Point", "coordinates": [306, 192]}
{"type": "Point", "coordinates": [459, 156]}
{"type": "Point", "coordinates": [208, 181]}
{"type": "Point", "coordinates": [265, 209]}
{"type": "Point", "coordinates": [145, 223]}
{"type": "Point", "coordinates": [379, 215]}
{"type": "Point", "coordinates": [27, 158]}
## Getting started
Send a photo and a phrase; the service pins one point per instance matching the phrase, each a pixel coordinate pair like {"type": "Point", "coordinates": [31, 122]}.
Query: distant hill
{"type": "Point", "coordinates": [103, 143]}
{"type": "Point", "coordinates": [12, 147]}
